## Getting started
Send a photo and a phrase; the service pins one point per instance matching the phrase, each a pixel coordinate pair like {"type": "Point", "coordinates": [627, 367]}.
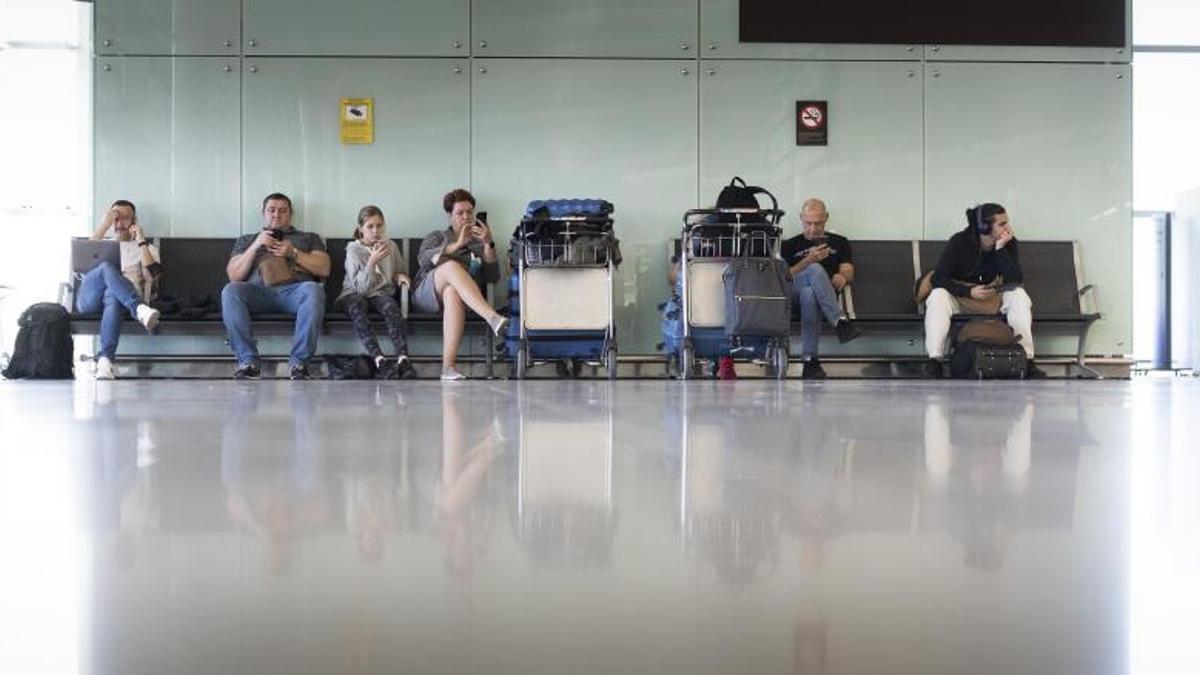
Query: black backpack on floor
{"type": "Point", "coordinates": [44, 350]}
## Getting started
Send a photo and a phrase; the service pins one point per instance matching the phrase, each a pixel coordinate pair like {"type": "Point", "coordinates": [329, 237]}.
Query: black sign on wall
{"type": "Point", "coordinates": [1058, 23]}
{"type": "Point", "coordinates": [812, 122]}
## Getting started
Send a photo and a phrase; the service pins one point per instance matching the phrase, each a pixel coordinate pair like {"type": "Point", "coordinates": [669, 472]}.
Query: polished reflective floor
{"type": "Point", "coordinates": [588, 527]}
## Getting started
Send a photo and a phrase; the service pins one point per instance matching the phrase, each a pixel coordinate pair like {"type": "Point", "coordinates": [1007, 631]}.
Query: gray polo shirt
{"type": "Point", "coordinates": [303, 241]}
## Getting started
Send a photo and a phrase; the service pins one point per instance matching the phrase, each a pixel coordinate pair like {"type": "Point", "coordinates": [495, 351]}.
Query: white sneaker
{"type": "Point", "coordinates": [452, 375]}
{"type": "Point", "coordinates": [104, 369]}
{"type": "Point", "coordinates": [148, 317]}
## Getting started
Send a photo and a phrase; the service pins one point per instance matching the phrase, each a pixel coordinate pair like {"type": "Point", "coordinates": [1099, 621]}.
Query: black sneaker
{"type": "Point", "coordinates": [404, 369]}
{"type": "Point", "coordinates": [812, 370]}
{"type": "Point", "coordinates": [385, 369]}
{"type": "Point", "coordinates": [933, 369]}
{"type": "Point", "coordinates": [1032, 372]}
{"type": "Point", "coordinates": [300, 372]}
{"type": "Point", "coordinates": [247, 372]}
{"type": "Point", "coordinates": [846, 331]}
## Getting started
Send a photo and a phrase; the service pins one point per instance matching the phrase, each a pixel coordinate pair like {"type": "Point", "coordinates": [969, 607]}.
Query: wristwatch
{"type": "Point", "coordinates": [491, 244]}
{"type": "Point", "coordinates": [143, 242]}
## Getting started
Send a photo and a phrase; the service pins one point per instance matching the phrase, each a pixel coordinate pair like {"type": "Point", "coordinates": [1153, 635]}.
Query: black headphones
{"type": "Point", "coordinates": [982, 226]}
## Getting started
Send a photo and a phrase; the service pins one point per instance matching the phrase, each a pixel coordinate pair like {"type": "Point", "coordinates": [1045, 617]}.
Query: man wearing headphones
{"type": "Point", "coordinates": [979, 273]}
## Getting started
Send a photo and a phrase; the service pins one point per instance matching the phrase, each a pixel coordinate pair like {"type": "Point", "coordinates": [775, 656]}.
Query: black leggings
{"type": "Point", "coordinates": [356, 306]}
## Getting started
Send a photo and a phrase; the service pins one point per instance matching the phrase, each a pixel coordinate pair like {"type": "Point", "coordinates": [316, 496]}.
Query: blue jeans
{"type": "Point", "coordinates": [106, 290]}
{"type": "Point", "coordinates": [812, 291]}
{"type": "Point", "coordinates": [240, 300]}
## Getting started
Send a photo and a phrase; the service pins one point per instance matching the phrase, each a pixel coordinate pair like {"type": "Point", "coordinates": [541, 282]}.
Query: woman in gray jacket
{"type": "Point", "coordinates": [373, 273]}
{"type": "Point", "coordinates": [450, 261]}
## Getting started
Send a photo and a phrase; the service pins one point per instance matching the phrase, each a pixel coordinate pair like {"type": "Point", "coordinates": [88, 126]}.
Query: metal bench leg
{"type": "Point", "coordinates": [1080, 361]}
{"type": "Point", "coordinates": [489, 346]}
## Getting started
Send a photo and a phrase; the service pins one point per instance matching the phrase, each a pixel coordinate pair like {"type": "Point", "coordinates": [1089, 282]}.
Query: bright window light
{"type": "Point", "coordinates": [1166, 22]}
{"type": "Point", "coordinates": [45, 132]}
{"type": "Point", "coordinates": [1166, 128]}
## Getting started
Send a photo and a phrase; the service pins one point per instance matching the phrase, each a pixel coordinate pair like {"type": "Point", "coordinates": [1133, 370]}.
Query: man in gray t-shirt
{"type": "Point", "coordinates": [279, 270]}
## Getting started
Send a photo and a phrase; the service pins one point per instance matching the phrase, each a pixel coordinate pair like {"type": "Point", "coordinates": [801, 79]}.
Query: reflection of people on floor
{"type": "Point", "coordinates": [273, 481]}
{"type": "Point", "coordinates": [464, 470]}
{"type": "Point", "coordinates": [810, 644]}
{"type": "Point", "coordinates": [123, 485]}
{"type": "Point", "coordinates": [981, 463]}
{"type": "Point", "coordinates": [817, 468]}
{"type": "Point", "coordinates": [370, 500]}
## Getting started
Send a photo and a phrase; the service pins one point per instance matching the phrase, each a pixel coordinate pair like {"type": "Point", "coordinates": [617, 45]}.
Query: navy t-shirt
{"type": "Point", "coordinates": [793, 250]}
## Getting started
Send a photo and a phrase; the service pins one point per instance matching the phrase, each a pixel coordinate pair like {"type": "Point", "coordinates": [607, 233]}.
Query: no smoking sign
{"type": "Point", "coordinates": [812, 123]}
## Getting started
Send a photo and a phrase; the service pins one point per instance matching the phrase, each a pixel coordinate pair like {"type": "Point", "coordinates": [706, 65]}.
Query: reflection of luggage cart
{"type": "Point", "coordinates": [711, 239]}
{"type": "Point", "coordinates": [732, 495]}
{"type": "Point", "coordinates": [564, 258]}
{"type": "Point", "coordinates": [566, 514]}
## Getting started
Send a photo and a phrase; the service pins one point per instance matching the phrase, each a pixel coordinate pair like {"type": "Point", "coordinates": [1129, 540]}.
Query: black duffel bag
{"type": "Point", "coordinates": [756, 298]}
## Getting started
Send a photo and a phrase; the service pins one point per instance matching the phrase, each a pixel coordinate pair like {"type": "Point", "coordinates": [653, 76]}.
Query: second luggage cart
{"type": "Point", "coordinates": [711, 241]}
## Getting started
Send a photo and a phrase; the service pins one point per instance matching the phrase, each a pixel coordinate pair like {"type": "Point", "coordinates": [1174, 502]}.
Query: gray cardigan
{"type": "Point", "coordinates": [435, 243]}
{"type": "Point", "coordinates": [371, 282]}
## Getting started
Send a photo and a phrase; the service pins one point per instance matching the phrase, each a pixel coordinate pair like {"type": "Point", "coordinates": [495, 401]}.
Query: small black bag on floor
{"type": "Point", "coordinates": [359, 367]}
{"type": "Point", "coordinates": [44, 350]}
{"type": "Point", "coordinates": [756, 298]}
{"type": "Point", "coordinates": [982, 361]}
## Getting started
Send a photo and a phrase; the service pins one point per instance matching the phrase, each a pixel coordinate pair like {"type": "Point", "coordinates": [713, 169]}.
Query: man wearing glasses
{"type": "Point", "coordinates": [821, 265]}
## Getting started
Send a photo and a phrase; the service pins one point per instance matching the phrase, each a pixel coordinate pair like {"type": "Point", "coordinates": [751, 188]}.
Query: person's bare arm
{"type": "Point", "coordinates": [846, 270]}
{"type": "Point", "coordinates": [105, 225]}
{"type": "Point", "coordinates": [460, 242]}
{"type": "Point", "coordinates": [813, 255]}
{"type": "Point", "coordinates": [484, 234]}
{"type": "Point", "coordinates": [240, 265]}
{"type": "Point", "coordinates": [316, 263]}
{"type": "Point", "coordinates": [147, 251]}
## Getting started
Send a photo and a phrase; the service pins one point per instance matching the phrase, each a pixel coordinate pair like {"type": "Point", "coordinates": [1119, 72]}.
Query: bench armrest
{"type": "Point", "coordinates": [846, 298]}
{"type": "Point", "coordinates": [404, 291]}
{"type": "Point", "coordinates": [66, 295]}
{"type": "Point", "coordinates": [1091, 295]}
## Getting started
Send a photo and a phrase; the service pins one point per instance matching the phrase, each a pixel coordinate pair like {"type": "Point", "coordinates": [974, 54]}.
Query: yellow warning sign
{"type": "Point", "coordinates": [358, 121]}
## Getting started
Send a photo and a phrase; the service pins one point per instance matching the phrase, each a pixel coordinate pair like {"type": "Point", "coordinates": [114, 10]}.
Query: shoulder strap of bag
{"type": "Point", "coordinates": [755, 190]}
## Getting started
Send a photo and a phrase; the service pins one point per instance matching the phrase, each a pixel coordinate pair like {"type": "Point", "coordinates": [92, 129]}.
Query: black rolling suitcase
{"type": "Point", "coordinates": [982, 361]}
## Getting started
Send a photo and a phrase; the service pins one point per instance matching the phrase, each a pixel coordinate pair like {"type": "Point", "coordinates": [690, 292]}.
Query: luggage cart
{"type": "Point", "coordinates": [565, 261]}
{"type": "Point", "coordinates": [710, 240]}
